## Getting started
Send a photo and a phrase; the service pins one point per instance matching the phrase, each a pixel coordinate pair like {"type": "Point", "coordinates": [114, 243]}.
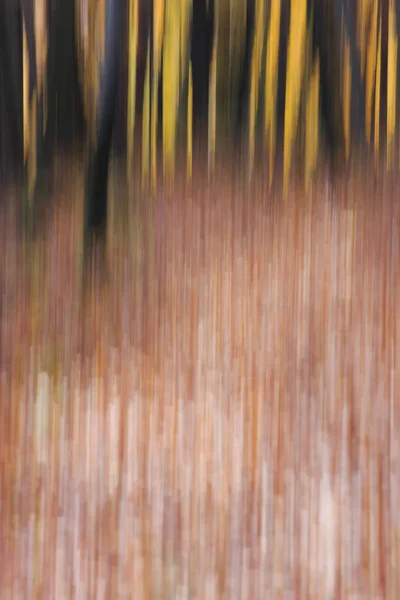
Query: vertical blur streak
{"type": "Point", "coordinates": [232, 5]}
{"type": "Point", "coordinates": [132, 59]}
{"type": "Point", "coordinates": [41, 47]}
{"type": "Point", "coordinates": [378, 95]}
{"type": "Point", "coordinates": [232, 43]}
{"type": "Point", "coordinates": [29, 119]}
{"type": "Point", "coordinates": [185, 67]}
{"type": "Point", "coordinates": [256, 58]}
{"type": "Point", "coordinates": [364, 11]}
{"type": "Point", "coordinates": [145, 119]}
{"type": "Point", "coordinates": [391, 83]}
{"type": "Point", "coordinates": [371, 66]}
{"type": "Point", "coordinates": [40, 13]}
{"type": "Point", "coordinates": [185, 21]}
{"type": "Point", "coordinates": [90, 31]}
{"type": "Point", "coordinates": [212, 101]}
{"type": "Point", "coordinates": [346, 89]}
{"type": "Point", "coordinates": [189, 166]}
{"type": "Point", "coordinates": [312, 111]}
{"type": "Point", "coordinates": [25, 90]}
{"type": "Point", "coordinates": [170, 87]}
{"type": "Point", "coordinates": [294, 76]}
{"type": "Point", "coordinates": [158, 32]}
{"type": "Point", "coordinates": [306, 119]}
{"type": "Point", "coordinates": [271, 80]}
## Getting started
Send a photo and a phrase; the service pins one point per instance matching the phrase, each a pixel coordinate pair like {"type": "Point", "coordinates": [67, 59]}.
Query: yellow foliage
{"type": "Point", "coordinates": [391, 82]}
{"type": "Point", "coordinates": [41, 47]}
{"type": "Point", "coordinates": [271, 80]}
{"type": "Point", "coordinates": [158, 32]}
{"type": "Point", "coordinates": [378, 94]}
{"type": "Point", "coordinates": [132, 60]}
{"type": "Point", "coordinates": [170, 38]}
{"type": "Point", "coordinates": [364, 13]}
{"type": "Point", "coordinates": [40, 17]}
{"type": "Point", "coordinates": [171, 85]}
{"type": "Point", "coordinates": [294, 77]}
{"type": "Point", "coordinates": [346, 89]}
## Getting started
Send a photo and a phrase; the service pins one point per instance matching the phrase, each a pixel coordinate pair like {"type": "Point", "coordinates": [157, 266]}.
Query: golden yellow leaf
{"type": "Point", "coordinates": [132, 60]}
{"type": "Point", "coordinates": [294, 77]}
{"type": "Point", "coordinates": [378, 95]}
{"type": "Point", "coordinates": [171, 88]}
{"type": "Point", "coordinates": [363, 13]}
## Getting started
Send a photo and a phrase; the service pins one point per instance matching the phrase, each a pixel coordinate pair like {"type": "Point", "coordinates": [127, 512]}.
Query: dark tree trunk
{"type": "Point", "coordinates": [326, 38]}
{"type": "Point", "coordinates": [245, 80]}
{"type": "Point", "coordinates": [357, 86]}
{"type": "Point", "coordinates": [65, 116]}
{"type": "Point", "coordinates": [99, 155]}
{"type": "Point", "coordinates": [201, 54]}
{"type": "Point", "coordinates": [11, 122]}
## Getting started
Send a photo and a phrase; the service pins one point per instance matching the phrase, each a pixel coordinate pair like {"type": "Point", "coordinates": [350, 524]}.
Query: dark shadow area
{"type": "Point", "coordinates": [65, 112]}
{"type": "Point", "coordinates": [11, 124]}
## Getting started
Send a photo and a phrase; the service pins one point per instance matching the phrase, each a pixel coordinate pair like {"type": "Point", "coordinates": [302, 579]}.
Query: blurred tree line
{"type": "Point", "coordinates": [274, 66]}
{"type": "Point", "coordinates": [64, 116]}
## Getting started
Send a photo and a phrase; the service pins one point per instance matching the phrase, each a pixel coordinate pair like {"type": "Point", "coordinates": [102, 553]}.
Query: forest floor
{"type": "Point", "coordinates": [213, 414]}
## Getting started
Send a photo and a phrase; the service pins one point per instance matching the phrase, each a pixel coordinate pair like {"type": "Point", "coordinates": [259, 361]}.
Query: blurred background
{"type": "Point", "coordinates": [206, 407]}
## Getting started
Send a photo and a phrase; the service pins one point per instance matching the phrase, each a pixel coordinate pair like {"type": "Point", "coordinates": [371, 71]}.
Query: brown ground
{"type": "Point", "coordinates": [216, 416]}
